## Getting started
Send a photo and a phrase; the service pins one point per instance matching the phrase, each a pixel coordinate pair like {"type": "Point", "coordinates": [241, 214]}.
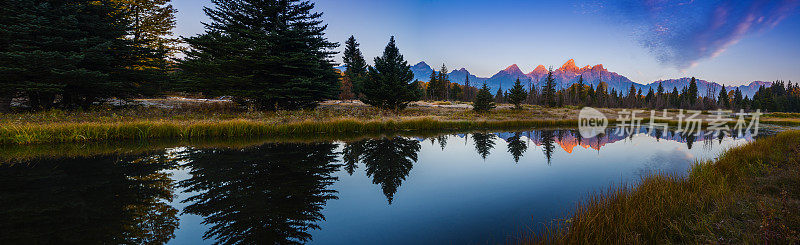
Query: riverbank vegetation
{"type": "Point", "coordinates": [750, 194]}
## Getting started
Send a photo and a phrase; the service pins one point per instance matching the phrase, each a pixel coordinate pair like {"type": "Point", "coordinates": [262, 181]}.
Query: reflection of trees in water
{"type": "Point", "coordinates": [484, 143]}
{"type": "Point", "coordinates": [351, 155]}
{"type": "Point", "coordinates": [108, 199]}
{"type": "Point", "coordinates": [516, 146]}
{"type": "Point", "coordinates": [388, 161]}
{"type": "Point", "coordinates": [442, 141]}
{"type": "Point", "coordinates": [548, 144]}
{"type": "Point", "coordinates": [269, 194]}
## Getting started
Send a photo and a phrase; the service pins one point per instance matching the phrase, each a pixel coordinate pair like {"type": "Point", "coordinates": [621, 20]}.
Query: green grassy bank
{"type": "Point", "coordinates": [750, 194]}
{"type": "Point", "coordinates": [202, 129]}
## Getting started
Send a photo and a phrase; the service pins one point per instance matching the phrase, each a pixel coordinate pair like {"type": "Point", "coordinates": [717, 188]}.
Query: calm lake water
{"type": "Point", "coordinates": [462, 188]}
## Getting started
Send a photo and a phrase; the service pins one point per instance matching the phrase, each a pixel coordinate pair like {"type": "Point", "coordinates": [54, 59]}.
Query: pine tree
{"type": "Point", "coordinates": [581, 91]}
{"type": "Point", "coordinates": [660, 96]}
{"type": "Point", "coordinates": [467, 91]}
{"type": "Point", "coordinates": [483, 100]}
{"type": "Point", "coordinates": [356, 66]}
{"type": "Point", "coordinates": [268, 54]}
{"type": "Point", "coordinates": [738, 100]}
{"type": "Point", "coordinates": [632, 96]}
{"type": "Point", "coordinates": [434, 87]}
{"type": "Point", "coordinates": [675, 98]}
{"type": "Point", "coordinates": [75, 50]}
{"type": "Point", "coordinates": [549, 90]}
{"type": "Point", "coordinates": [444, 83]}
{"type": "Point", "coordinates": [153, 22]}
{"type": "Point", "coordinates": [723, 100]}
{"type": "Point", "coordinates": [692, 92]}
{"type": "Point", "coordinates": [387, 86]}
{"type": "Point", "coordinates": [500, 97]}
{"type": "Point", "coordinates": [532, 93]}
{"type": "Point", "coordinates": [455, 92]}
{"type": "Point", "coordinates": [517, 94]}
{"type": "Point", "coordinates": [648, 99]}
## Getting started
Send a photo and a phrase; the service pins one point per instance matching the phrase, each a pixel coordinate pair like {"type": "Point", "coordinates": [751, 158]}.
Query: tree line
{"type": "Point", "coordinates": [265, 55]}
{"type": "Point", "coordinates": [780, 97]}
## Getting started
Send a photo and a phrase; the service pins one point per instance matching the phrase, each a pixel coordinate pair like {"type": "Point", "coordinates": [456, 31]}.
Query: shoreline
{"type": "Point", "coordinates": [204, 121]}
{"type": "Point", "coordinates": [741, 197]}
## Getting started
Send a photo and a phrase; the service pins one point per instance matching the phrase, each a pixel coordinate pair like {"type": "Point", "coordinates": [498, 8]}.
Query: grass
{"type": "Point", "coordinates": [199, 122]}
{"type": "Point", "coordinates": [750, 194]}
{"type": "Point", "coordinates": [203, 129]}
{"type": "Point", "coordinates": [218, 120]}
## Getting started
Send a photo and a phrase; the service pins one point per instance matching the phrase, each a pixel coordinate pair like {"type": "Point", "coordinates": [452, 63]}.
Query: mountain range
{"type": "Point", "coordinates": [569, 73]}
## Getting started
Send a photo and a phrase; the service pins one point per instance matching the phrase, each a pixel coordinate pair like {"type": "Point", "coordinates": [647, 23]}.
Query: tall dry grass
{"type": "Point", "coordinates": [742, 197]}
{"type": "Point", "coordinates": [199, 129]}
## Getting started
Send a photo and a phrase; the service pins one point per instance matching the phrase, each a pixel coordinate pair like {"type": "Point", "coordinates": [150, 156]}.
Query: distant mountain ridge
{"type": "Point", "coordinates": [569, 73]}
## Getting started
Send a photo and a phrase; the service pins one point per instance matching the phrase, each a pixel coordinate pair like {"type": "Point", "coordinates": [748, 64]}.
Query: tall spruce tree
{"type": "Point", "coordinates": [467, 91]}
{"type": "Point", "coordinates": [72, 50]}
{"type": "Point", "coordinates": [433, 86]}
{"type": "Point", "coordinates": [483, 100]}
{"type": "Point", "coordinates": [723, 100]}
{"type": "Point", "coordinates": [692, 93]}
{"type": "Point", "coordinates": [356, 65]}
{"type": "Point", "coordinates": [388, 85]}
{"type": "Point", "coordinates": [549, 90]}
{"type": "Point", "coordinates": [738, 101]}
{"type": "Point", "coordinates": [152, 22]}
{"type": "Point", "coordinates": [268, 54]}
{"type": "Point", "coordinates": [517, 94]}
{"type": "Point", "coordinates": [444, 83]}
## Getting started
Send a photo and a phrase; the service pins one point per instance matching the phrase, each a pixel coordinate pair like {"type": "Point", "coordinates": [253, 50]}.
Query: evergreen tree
{"type": "Point", "coordinates": [268, 54]}
{"type": "Point", "coordinates": [660, 96]}
{"type": "Point", "coordinates": [152, 22]}
{"type": "Point", "coordinates": [581, 91]}
{"type": "Point", "coordinates": [72, 50]}
{"type": "Point", "coordinates": [388, 161]}
{"type": "Point", "coordinates": [516, 146]}
{"type": "Point", "coordinates": [549, 90]}
{"type": "Point", "coordinates": [517, 94]}
{"type": "Point", "coordinates": [484, 143]}
{"type": "Point", "coordinates": [723, 100]}
{"type": "Point", "coordinates": [648, 99]}
{"type": "Point", "coordinates": [692, 92]}
{"type": "Point", "coordinates": [356, 66]}
{"type": "Point", "coordinates": [533, 94]}
{"type": "Point", "coordinates": [483, 100]}
{"type": "Point", "coordinates": [632, 96]}
{"type": "Point", "coordinates": [455, 92]}
{"type": "Point", "coordinates": [737, 99]}
{"type": "Point", "coordinates": [387, 86]}
{"type": "Point", "coordinates": [675, 98]}
{"type": "Point", "coordinates": [500, 97]}
{"type": "Point", "coordinates": [279, 188]}
{"type": "Point", "coordinates": [434, 87]}
{"type": "Point", "coordinates": [444, 83]}
{"type": "Point", "coordinates": [467, 91]}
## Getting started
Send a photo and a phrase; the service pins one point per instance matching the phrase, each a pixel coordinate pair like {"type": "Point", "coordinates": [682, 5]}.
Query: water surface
{"type": "Point", "coordinates": [457, 188]}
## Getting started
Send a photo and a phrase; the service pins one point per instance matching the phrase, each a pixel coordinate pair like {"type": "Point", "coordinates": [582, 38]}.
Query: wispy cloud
{"type": "Point", "coordinates": [680, 33]}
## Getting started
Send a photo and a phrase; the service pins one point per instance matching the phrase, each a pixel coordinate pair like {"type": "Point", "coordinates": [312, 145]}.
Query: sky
{"type": "Point", "coordinates": [728, 42]}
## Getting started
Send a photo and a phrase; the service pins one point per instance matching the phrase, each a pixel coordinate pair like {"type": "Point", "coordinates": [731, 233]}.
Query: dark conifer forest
{"type": "Point", "coordinates": [71, 54]}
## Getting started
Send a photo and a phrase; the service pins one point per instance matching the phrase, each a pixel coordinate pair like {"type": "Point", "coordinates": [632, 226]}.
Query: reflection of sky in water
{"type": "Point", "coordinates": [453, 195]}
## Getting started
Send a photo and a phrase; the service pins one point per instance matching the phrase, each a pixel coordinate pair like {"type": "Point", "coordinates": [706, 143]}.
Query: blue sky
{"type": "Point", "coordinates": [730, 42]}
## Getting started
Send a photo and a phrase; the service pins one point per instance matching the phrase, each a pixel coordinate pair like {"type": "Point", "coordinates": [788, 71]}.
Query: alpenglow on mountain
{"type": "Point", "coordinates": [569, 73]}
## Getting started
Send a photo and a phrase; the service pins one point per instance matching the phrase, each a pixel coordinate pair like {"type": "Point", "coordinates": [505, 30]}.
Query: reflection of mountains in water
{"type": "Point", "coordinates": [568, 139]}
